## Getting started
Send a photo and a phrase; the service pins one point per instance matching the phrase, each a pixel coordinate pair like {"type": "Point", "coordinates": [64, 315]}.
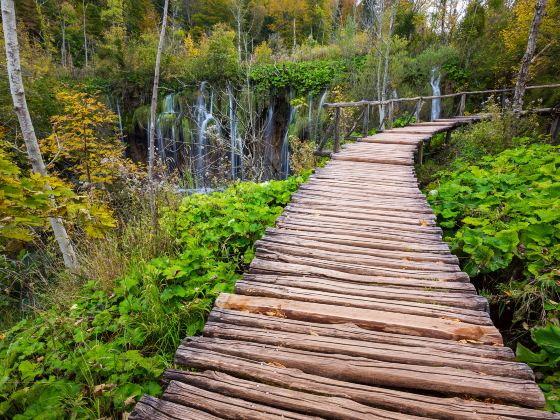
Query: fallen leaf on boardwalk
{"type": "Point", "coordinates": [313, 333]}
{"type": "Point", "coordinates": [130, 400]}
{"type": "Point", "coordinates": [276, 364]}
{"type": "Point", "coordinates": [423, 222]}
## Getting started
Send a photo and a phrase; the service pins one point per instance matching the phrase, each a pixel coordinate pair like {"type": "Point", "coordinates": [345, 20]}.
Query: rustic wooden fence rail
{"type": "Point", "coordinates": [335, 129]}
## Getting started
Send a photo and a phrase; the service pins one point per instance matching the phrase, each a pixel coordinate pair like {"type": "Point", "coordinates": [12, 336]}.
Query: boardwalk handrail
{"type": "Point", "coordinates": [390, 114]}
{"type": "Point", "coordinates": [364, 102]}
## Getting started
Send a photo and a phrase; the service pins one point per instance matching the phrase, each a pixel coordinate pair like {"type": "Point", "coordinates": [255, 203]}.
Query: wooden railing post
{"type": "Point", "coordinates": [337, 112]}
{"type": "Point", "coordinates": [462, 104]}
{"type": "Point", "coordinates": [365, 127]}
{"type": "Point", "coordinates": [390, 115]}
{"type": "Point", "coordinates": [418, 110]}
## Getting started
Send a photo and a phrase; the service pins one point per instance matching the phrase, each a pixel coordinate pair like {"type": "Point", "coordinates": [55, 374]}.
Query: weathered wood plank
{"type": "Point", "coordinates": [352, 332]}
{"type": "Point", "coordinates": [325, 406]}
{"type": "Point", "coordinates": [329, 298]}
{"type": "Point", "coordinates": [380, 352]}
{"type": "Point", "coordinates": [260, 266]}
{"type": "Point", "coordinates": [223, 406]}
{"type": "Point", "coordinates": [370, 372]}
{"type": "Point", "coordinates": [151, 408]}
{"type": "Point", "coordinates": [390, 399]}
{"type": "Point", "coordinates": [353, 246]}
{"type": "Point", "coordinates": [450, 329]}
{"type": "Point", "coordinates": [467, 300]}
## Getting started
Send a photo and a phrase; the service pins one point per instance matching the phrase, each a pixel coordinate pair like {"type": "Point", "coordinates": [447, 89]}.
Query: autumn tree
{"type": "Point", "coordinates": [84, 144]}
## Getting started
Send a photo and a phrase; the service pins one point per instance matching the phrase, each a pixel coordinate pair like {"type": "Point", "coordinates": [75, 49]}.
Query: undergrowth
{"type": "Point", "coordinates": [96, 357]}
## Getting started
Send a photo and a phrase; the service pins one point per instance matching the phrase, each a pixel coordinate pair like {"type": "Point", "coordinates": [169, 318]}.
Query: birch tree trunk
{"type": "Point", "coordinates": [153, 108]}
{"type": "Point", "coordinates": [523, 74]}
{"type": "Point", "coordinates": [387, 51]}
{"type": "Point", "coordinates": [27, 130]}
{"type": "Point", "coordinates": [84, 6]}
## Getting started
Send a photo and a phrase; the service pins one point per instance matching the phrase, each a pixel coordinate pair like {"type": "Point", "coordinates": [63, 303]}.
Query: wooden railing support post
{"type": "Point", "coordinates": [462, 104]}
{"type": "Point", "coordinates": [390, 115]}
{"type": "Point", "coordinates": [555, 126]}
{"type": "Point", "coordinates": [421, 153]}
{"type": "Point", "coordinates": [418, 110]}
{"type": "Point", "coordinates": [365, 127]}
{"type": "Point", "coordinates": [337, 112]}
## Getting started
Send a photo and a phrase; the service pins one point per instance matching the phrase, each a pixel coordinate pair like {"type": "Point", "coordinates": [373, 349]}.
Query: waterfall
{"type": "Point", "coordinates": [268, 134]}
{"type": "Point", "coordinates": [203, 117]}
{"type": "Point", "coordinates": [436, 102]}
{"type": "Point", "coordinates": [319, 112]}
{"type": "Point", "coordinates": [310, 117]}
{"type": "Point", "coordinates": [236, 143]}
{"type": "Point", "coordinates": [285, 150]}
{"type": "Point", "coordinates": [166, 132]}
{"type": "Point", "coordinates": [119, 114]}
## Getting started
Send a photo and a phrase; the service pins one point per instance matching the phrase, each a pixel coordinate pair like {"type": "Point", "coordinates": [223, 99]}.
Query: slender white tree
{"type": "Point", "coordinates": [27, 130]}
{"type": "Point", "coordinates": [152, 127]}
{"type": "Point", "coordinates": [523, 74]}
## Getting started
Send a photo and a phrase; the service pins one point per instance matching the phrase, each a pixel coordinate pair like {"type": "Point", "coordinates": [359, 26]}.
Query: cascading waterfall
{"type": "Point", "coordinates": [204, 117]}
{"type": "Point", "coordinates": [319, 112]}
{"type": "Point", "coordinates": [285, 150]}
{"type": "Point", "coordinates": [166, 132]}
{"type": "Point", "coordinates": [310, 117]}
{"type": "Point", "coordinates": [436, 91]}
{"type": "Point", "coordinates": [236, 143]}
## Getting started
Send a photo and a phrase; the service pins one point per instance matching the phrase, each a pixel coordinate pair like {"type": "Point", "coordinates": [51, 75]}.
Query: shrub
{"type": "Point", "coordinates": [503, 214]}
{"type": "Point", "coordinates": [98, 356]}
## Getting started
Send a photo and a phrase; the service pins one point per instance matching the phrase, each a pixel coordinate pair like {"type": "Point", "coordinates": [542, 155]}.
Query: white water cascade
{"type": "Point", "coordinates": [236, 142]}
{"type": "Point", "coordinates": [203, 117]}
{"type": "Point", "coordinates": [436, 91]}
{"type": "Point", "coordinates": [166, 132]}
{"type": "Point", "coordinates": [319, 112]}
{"type": "Point", "coordinates": [285, 150]}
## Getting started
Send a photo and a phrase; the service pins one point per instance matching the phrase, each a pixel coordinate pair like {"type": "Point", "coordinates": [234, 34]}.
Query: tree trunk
{"type": "Point", "coordinates": [85, 33]}
{"type": "Point", "coordinates": [153, 108]}
{"type": "Point", "coordinates": [27, 130]}
{"type": "Point", "coordinates": [387, 51]}
{"type": "Point", "coordinates": [526, 61]}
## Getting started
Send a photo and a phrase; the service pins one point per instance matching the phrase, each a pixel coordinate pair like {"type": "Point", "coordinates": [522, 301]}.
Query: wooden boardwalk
{"type": "Point", "coordinates": [353, 308]}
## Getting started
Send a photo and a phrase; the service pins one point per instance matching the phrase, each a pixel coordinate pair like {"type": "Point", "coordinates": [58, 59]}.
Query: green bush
{"type": "Point", "coordinates": [504, 214]}
{"type": "Point", "coordinates": [546, 362]}
{"type": "Point", "coordinates": [97, 357]}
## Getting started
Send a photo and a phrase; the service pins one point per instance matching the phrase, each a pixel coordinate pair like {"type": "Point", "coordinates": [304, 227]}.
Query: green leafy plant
{"type": "Point", "coordinates": [546, 362]}
{"type": "Point", "coordinates": [504, 214]}
{"type": "Point", "coordinates": [98, 356]}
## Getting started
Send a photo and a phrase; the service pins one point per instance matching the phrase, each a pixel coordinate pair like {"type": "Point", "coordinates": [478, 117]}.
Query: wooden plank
{"type": "Point", "coordinates": [450, 329]}
{"type": "Point", "coordinates": [223, 406]}
{"type": "Point", "coordinates": [338, 254]}
{"type": "Point", "coordinates": [344, 221]}
{"type": "Point", "coordinates": [349, 331]}
{"type": "Point", "coordinates": [260, 266]}
{"type": "Point", "coordinates": [408, 307]}
{"type": "Point", "coordinates": [395, 400]}
{"type": "Point", "coordinates": [371, 372]}
{"type": "Point", "coordinates": [358, 213]}
{"type": "Point", "coordinates": [355, 268]}
{"type": "Point", "coordinates": [364, 239]}
{"type": "Point", "coordinates": [385, 204]}
{"type": "Point", "coordinates": [151, 408]}
{"type": "Point", "coordinates": [466, 300]}
{"type": "Point", "coordinates": [325, 406]}
{"type": "Point", "coordinates": [332, 243]}
{"type": "Point", "coordinates": [380, 352]}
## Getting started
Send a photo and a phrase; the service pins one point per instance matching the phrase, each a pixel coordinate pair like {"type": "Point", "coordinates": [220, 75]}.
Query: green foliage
{"type": "Point", "coordinates": [504, 213]}
{"type": "Point", "coordinates": [303, 77]}
{"type": "Point", "coordinates": [545, 361]}
{"type": "Point", "coordinates": [97, 357]}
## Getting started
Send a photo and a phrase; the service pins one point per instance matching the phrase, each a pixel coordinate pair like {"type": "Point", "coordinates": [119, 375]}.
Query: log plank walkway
{"type": "Point", "coordinates": [353, 308]}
